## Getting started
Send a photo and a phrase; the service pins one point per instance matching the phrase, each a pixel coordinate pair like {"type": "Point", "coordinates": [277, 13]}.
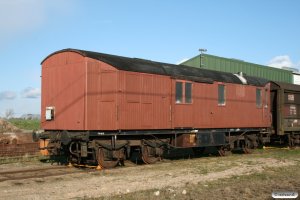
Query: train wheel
{"type": "Point", "coordinates": [149, 154]}
{"type": "Point", "coordinates": [247, 150]}
{"type": "Point", "coordinates": [72, 160]}
{"type": "Point", "coordinates": [221, 151]}
{"type": "Point", "coordinates": [106, 159]}
{"type": "Point", "coordinates": [291, 141]}
{"type": "Point", "coordinates": [249, 147]}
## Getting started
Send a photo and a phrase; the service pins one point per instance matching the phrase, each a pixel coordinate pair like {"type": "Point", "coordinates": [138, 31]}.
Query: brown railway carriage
{"type": "Point", "coordinates": [285, 109]}
{"type": "Point", "coordinates": [102, 107]}
{"type": "Point", "coordinates": [92, 91]}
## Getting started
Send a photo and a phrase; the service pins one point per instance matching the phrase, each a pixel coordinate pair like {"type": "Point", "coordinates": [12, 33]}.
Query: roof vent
{"type": "Point", "coordinates": [240, 75]}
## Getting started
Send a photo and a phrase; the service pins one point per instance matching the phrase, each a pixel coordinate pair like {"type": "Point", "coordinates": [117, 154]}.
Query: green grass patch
{"type": "Point", "coordinates": [22, 159]}
{"type": "Point", "coordinates": [25, 124]}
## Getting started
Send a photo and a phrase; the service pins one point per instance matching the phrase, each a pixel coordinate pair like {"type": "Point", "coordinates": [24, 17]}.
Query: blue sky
{"type": "Point", "coordinates": [264, 32]}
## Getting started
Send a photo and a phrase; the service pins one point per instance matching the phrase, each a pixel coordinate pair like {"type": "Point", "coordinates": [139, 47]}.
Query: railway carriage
{"type": "Point", "coordinates": [101, 108]}
{"type": "Point", "coordinates": [285, 109]}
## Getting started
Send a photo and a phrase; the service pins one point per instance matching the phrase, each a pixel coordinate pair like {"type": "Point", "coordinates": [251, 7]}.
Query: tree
{"type": "Point", "coordinates": [9, 113]}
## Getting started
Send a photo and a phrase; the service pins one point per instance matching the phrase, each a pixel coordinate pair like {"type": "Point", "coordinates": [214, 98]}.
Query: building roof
{"type": "Point", "coordinates": [217, 63]}
{"type": "Point", "coordinates": [175, 71]}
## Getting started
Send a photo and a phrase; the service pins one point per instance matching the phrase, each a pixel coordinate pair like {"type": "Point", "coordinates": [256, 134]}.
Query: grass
{"type": "Point", "coordinates": [23, 159]}
{"type": "Point", "coordinates": [258, 185]}
{"type": "Point", "coordinates": [26, 124]}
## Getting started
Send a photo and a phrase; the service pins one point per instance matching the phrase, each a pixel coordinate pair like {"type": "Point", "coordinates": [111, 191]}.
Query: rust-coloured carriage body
{"type": "Point", "coordinates": [90, 91]}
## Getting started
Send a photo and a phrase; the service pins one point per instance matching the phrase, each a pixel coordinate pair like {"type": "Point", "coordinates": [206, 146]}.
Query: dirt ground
{"type": "Point", "coordinates": [5, 126]}
{"type": "Point", "coordinates": [10, 134]}
{"type": "Point", "coordinates": [234, 177]}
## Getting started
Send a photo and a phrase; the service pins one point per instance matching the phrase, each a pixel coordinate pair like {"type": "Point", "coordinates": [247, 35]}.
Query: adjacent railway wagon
{"type": "Point", "coordinates": [285, 109]}
{"type": "Point", "coordinates": [101, 108]}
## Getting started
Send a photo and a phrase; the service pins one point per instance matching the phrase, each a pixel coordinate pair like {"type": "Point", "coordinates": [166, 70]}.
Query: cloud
{"type": "Point", "coordinates": [7, 95]}
{"type": "Point", "coordinates": [181, 61]}
{"type": "Point", "coordinates": [31, 93]}
{"type": "Point", "coordinates": [281, 61]}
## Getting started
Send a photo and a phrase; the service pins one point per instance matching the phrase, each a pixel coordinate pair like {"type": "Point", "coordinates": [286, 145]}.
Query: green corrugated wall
{"type": "Point", "coordinates": [233, 66]}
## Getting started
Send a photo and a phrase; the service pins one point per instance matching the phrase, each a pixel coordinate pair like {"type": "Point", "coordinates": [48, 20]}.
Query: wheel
{"type": "Point", "coordinates": [221, 151]}
{"type": "Point", "coordinates": [247, 150]}
{"type": "Point", "coordinates": [106, 159]}
{"type": "Point", "coordinates": [149, 154]}
{"type": "Point", "coordinates": [291, 141]}
{"type": "Point", "coordinates": [249, 147]}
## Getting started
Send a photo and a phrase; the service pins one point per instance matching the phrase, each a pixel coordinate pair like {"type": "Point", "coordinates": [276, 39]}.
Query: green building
{"type": "Point", "coordinates": [234, 66]}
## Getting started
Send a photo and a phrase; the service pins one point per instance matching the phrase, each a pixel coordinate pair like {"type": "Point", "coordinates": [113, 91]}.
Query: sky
{"type": "Point", "coordinates": [263, 32]}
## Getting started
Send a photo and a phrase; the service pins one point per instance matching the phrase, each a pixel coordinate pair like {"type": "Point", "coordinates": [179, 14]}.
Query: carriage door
{"type": "Point", "coordinates": [273, 107]}
{"type": "Point", "coordinates": [107, 113]}
{"type": "Point", "coordinates": [182, 115]}
{"type": "Point", "coordinates": [266, 106]}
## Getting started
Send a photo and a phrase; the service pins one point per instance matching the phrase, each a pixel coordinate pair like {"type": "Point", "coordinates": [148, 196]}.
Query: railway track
{"type": "Point", "coordinates": [39, 173]}
{"type": "Point", "coordinates": [45, 172]}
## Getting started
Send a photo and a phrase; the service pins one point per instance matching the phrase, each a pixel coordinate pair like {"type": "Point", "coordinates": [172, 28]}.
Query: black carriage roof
{"type": "Point", "coordinates": [175, 71]}
{"type": "Point", "coordinates": [285, 86]}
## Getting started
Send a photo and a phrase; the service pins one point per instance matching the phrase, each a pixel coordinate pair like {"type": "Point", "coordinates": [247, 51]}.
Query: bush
{"type": "Point", "coordinates": [26, 124]}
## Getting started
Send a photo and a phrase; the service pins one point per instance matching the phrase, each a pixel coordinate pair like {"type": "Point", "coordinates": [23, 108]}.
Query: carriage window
{"type": "Point", "coordinates": [188, 92]}
{"type": "Point", "coordinates": [221, 95]}
{"type": "Point", "coordinates": [179, 92]}
{"type": "Point", "coordinates": [258, 98]}
{"type": "Point", "coordinates": [183, 92]}
{"type": "Point", "coordinates": [293, 110]}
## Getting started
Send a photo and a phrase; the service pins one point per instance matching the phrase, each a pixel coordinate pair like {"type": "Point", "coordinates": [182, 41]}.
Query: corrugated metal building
{"type": "Point", "coordinates": [234, 66]}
